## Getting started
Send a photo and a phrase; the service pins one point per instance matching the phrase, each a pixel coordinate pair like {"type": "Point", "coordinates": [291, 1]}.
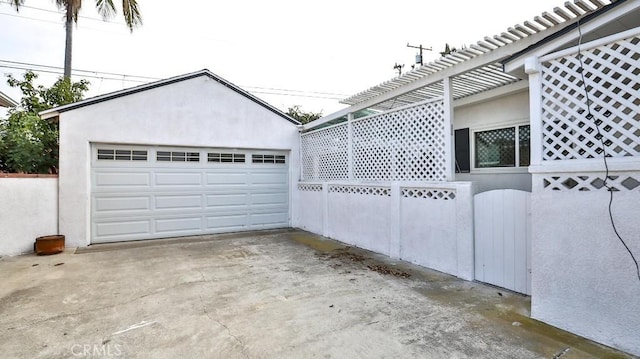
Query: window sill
{"type": "Point", "coordinates": [499, 170]}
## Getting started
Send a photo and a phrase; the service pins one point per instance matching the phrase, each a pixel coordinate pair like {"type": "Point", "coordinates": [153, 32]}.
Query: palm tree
{"type": "Point", "coordinates": [106, 8]}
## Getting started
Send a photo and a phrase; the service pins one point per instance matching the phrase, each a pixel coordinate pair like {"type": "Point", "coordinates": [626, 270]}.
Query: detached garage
{"type": "Point", "coordinates": [189, 155]}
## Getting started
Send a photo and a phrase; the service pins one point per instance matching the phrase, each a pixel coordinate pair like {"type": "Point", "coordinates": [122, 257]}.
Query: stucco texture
{"type": "Point", "coordinates": [594, 289]}
{"type": "Point", "coordinates": [28, 209]}
{"type": "Point", "coordinates": [198, 112]}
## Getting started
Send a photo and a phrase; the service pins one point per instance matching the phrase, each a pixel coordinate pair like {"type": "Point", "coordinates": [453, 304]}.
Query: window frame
{"type": "Point", "coordinates": [498, 126]}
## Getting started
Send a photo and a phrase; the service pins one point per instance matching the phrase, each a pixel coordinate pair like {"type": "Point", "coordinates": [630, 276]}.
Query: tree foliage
{"type": "Point", "coordinates": [302, 116]}
{"type": "Point", "coordinates": [106, 8]}
{"type": "Point", "coordinates": [29, 144]}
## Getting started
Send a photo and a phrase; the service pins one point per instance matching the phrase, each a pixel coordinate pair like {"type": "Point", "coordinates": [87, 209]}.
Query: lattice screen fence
{"type": "Point", "coordinates": [324, 154]}
{"type": "Point", "coordinates": [612, 74]}
{"type": "Point", "coordinates": [406, 144]}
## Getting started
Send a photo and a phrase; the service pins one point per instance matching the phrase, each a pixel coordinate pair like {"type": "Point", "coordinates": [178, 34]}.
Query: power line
{"type": "Point", "coordinates": [17, 65]}
{"type": "Point", "coordinates": [57, 12]}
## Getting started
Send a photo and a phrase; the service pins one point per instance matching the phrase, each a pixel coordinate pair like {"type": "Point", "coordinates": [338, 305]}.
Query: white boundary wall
{"type": "Point", "coordinates": [583, 279]}
{"type": "Point", "coordinates": [28, 209]}
{"type": "Point", "coordinates": [429, 224]}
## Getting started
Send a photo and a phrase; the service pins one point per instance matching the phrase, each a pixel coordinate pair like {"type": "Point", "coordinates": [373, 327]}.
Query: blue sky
{"type": "Point", "coordinates": [316, 51]}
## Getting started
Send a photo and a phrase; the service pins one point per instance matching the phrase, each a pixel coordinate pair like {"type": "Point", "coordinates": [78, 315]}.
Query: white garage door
{"type": "Point", "coordinates": [144, 192]}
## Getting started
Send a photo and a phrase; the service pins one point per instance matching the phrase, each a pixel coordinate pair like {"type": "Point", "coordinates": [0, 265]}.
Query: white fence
{"type": "Point", "coordinates": [409, 144]}
{"type": "Point", "coordinates": [429, 224]}
{"type": "Point", "coordinates": [582, 272]}
{"type": "Point", "coordinates": [28, 209]}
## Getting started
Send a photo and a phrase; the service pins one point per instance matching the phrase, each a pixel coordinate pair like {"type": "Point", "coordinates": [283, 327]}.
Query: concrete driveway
{"type": "Point", "coordinates": [275, 294]}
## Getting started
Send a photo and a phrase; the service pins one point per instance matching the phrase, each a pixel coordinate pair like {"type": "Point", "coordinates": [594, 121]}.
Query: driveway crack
{"type": "Point", "coordinates": [243, 347]}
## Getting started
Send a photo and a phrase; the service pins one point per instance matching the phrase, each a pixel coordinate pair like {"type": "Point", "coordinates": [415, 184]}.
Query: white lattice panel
{"type": "Point", "coordinates": [324, 154]}
{"type": "Point", "coordinates": [591, 182]}
{"type": "Point", "coordinates": [612, 75]}
{"type": "Point", "coordinates": [407, 144]}
{"type": "Point", "coordinates": [428, 193]}
{"type": "Point", "coordinates": [364, 190]}
{"type": "Point", "coordinates": [309, 187]}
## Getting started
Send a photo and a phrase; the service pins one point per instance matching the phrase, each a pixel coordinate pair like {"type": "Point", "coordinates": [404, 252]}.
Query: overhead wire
{"type": "Point", "coordinates": [102, 75]}
{"type": "Point", "coordinates": [605, 155]}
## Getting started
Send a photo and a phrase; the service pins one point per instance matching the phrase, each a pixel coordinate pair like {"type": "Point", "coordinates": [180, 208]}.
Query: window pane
{"type": "Point", "coordinates": [495, 148]}
{"type": "Point", "coordinates": [177, 156]}
{"type": "Point", "coordinates": [163, 156]}
{"type": "Point", "coordinates": [524, 144]}
{"type": "Point", "coordinates": [105, 154]}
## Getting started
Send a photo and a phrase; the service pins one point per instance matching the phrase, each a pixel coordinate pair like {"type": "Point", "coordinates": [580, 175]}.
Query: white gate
{"type": "Point", "coordinates": [503, 239]}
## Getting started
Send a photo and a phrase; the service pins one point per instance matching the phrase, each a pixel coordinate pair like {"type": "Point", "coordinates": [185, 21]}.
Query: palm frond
{"type": "Point", "coordinates": [106, 8]}
{"type": "Point", "coordinates": [16, 3]}
{"type": "Point", "coordinates": [75, 6]}
{"type": "Point", "coordinates": [131, 12]}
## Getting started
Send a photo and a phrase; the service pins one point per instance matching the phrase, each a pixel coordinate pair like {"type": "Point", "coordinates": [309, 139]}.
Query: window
{"type": "Point", "coordinates": [122, 155]}
{"type": "Point", "coordinates": [225, 157]}
{"type": "Point", "coordinates": [177, 156]}
{"type": "Point", "coordinates": [268, 159]}
{"type": "Point", "coordinates": [503, 147]}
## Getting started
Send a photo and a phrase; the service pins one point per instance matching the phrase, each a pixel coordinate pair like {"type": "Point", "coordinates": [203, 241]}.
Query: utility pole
{"type": "Point", "coordinates": [419, 58]}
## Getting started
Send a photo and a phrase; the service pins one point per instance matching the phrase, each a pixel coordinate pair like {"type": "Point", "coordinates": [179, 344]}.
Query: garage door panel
{"type": "Point", "coordinates": [163, 179]}
{"type": "Point", "coordinates": [227, 178]}
{"type": "Point", "coordinates": [119, 228]}
{"type": "Point", "coordinates": [135, 200]}
{"type": "Point", "coordinates": [178, 202]}
{"type": "Point", "coordinates": [111, 204]}
{"type": "Point", "coordinates": [227, 200]}
{"type": "Point", "coordinates": [235, 221]}
{"type": "Point", "coordinates": [121, 179]}
{"type": "Point", "coordinates": [269, 198]}
{"type": "Point", "coordinates": [178, 224]}
{"type": "Point", "coordinates": [269, 178]}
{"type": "Point", "coordinates": [269, 219]}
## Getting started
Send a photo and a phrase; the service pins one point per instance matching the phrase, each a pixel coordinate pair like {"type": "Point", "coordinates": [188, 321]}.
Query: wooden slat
{"type": "Point", "coordinates": [552, 19]}
{"type": "Point", "coordinates": [523, 29]}
{"type": "Point", "coordinates": [493, 42]}
{"type": "Point", "coordinates": [563, 14]}
{"type": "Point", "coordinates": [503, 40]}
{"type": "Point", "coordinates": [486, 45]}
{"type": "Point", "coordinates": [543, 22]}
{"type": "Point", "coordinates": [598, 3]}
{"type": "Point", "coordinates": [532, 26]}
{"type": "Point", "coordinates": [574, 9]}
{"type": "Point", "coordinates": [583, 5]}
{"type": "Point", "coordinates": [516, 33]}
{"type": "Point", "coordinates": [478, 48]}
{"type": "Point", "coordinates": [510, 36]}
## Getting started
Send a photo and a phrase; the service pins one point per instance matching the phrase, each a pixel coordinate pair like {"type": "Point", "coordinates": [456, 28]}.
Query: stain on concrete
{"type": "Point", "coordinates": [284, 294]}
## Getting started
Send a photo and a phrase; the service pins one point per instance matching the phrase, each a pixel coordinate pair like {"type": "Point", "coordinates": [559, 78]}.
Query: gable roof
{"type": "Point", "coordinates": [56, 111]}
{"type": "Point", "coordinates": [6, 101]}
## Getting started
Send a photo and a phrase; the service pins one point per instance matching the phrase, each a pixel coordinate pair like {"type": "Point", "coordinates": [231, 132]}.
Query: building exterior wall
{"type": "Point", "coordinates": [199, 112]}
{"type": "Point", "coordinates": [497, 112]}
{"type": "Point", "coordinates": [583, 279]}
{"type": "Point", "coordinates": [28, 209]}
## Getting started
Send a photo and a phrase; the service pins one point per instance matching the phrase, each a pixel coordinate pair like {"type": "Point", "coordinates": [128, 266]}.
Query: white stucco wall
{"type": "Point", "coordinates": [420, 227]}
{"type": "Point", "coordinates": [496, 112]}
{"type": "Point", "coordinates": [583, 280]}
{"type": "Point", "coordinates": [198, 112]}
{"type": "Point", "coordinates": [28, 209]}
